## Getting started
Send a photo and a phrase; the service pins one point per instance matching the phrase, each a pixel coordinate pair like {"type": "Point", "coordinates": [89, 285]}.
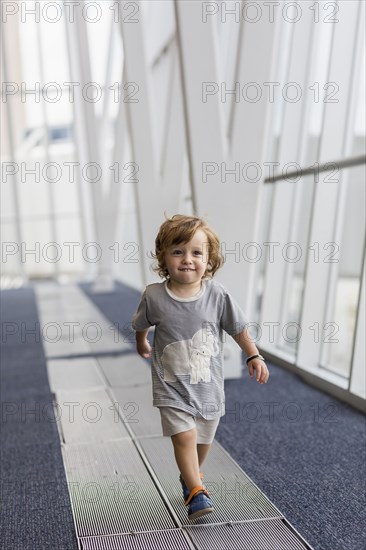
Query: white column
{"type": "Point", "coordinates": [358, 369]}
{"type": "Point", "coordinates": [150, 210]}
{"type": "Point", "coordinates": [10, 147]}
{"type": "Point", "coordinates": [174, 150]}
{"type": "Point", "coordinates": [324, 215]}
{"type": "Point", "coordinates": [104, 204]}
{"type": "Point", "coordinates": [285, 205]}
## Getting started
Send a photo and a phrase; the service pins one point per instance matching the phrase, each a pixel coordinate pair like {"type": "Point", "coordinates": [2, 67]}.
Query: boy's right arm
{"type": "Point", "coordinates": [142, 344]}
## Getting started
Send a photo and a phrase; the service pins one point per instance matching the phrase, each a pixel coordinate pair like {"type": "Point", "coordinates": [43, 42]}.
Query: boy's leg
{"type": "Point", "coordinates": [206, 430]}
{"type": "Point", "coordinates": [185, 451]}
{"type": "Point", "coordinates": [202, 451]}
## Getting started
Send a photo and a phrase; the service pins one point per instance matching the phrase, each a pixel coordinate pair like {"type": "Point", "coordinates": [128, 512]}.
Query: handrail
{"type": "Point", "coordinates": [317, 168]}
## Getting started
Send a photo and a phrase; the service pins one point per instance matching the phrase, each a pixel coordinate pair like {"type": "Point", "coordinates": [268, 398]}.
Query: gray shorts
{"type": "Point", "coordinates": [174, 421]}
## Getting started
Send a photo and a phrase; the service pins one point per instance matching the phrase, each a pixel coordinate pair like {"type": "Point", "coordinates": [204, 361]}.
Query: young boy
{"type": "Point", "coordinates": [190, 310]}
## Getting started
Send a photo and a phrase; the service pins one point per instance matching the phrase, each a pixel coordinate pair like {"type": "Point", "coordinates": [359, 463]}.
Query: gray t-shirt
{"type": "Point", "coordinates": [187, 351]}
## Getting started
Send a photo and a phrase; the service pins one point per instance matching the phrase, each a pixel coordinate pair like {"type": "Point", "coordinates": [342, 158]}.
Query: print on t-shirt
{"type": "Point", "coordinates": [191, 357]}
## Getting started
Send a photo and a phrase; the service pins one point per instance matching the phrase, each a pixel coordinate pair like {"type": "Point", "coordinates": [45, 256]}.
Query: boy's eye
{"type": "Point", "coordinates": [178, 252]}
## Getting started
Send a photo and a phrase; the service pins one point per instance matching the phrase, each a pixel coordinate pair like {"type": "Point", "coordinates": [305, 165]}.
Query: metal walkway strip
{"type": "Point", "coordinates": [111, 490]}
{"type": "Point", "coordinates": [136, 406]}
{"type": "Point", "coordinates": [73, 374]}
{"type": "Point", "coordinates": [170, 539]}
{"type": "Point", "coordinates": [126, 371]}
{"type": "Point", "coordinates": [88, 416]}
{"type": "Point", "coordinates": [270, 534]}
{"type": "Point", "coordinates": [72, 325]}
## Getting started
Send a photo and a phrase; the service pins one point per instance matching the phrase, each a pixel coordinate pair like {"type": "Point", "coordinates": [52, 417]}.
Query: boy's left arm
{"type": "Point", "coordinates": [243, 339]}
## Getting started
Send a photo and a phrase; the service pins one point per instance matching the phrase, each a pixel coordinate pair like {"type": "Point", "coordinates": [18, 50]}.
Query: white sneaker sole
{"type": "Point", "coordinates": [200, 513]}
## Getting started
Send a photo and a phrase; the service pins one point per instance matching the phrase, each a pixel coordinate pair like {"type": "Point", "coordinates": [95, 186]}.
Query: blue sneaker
{"type": "Point", "coordinates": [199, 503]}
{"type": "Point", "coordinates": [184, 486]}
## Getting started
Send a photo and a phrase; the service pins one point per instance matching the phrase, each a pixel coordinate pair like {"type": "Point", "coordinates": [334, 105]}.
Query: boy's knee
{"type": "Point", "coordinates": [185, 438]}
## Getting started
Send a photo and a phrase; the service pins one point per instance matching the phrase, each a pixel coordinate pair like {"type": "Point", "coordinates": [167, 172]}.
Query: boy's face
{"type": "Point", "coordinates": [187, 263]}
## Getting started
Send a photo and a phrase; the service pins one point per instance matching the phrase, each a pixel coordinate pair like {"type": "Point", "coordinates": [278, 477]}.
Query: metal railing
{"type": "Point", "coordinates": [316, 168]}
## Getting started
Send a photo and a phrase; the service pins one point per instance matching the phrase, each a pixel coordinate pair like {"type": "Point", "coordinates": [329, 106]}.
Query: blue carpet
{"type": "Point", "coordinates": [307, 453]}
{"type": "Point", "coordinates": [304, 449]}
{"type": "Point", "coordinates": [35, 504]}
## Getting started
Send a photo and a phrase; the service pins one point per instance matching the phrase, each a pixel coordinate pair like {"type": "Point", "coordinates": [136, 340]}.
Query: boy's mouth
{"type": "Point", "coordinates": [186, 269]}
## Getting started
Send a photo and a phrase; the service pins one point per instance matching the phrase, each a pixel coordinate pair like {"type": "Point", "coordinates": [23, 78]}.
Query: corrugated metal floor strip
{"type": "Point", "coordinates": [126, 371]}
{"type": "Point", "coordinates": [74, 374]}
{"type": "Point", "coordinates": [169, 539]}
{"type": "Point", "coordinates": [111, 490]}
{"type": "Point", "coordinates": [88, 416]}
{"type": "Point", "coordinates": [271, 534]}
{"type": "Point", "coordinates": [136, 407]}
{"type": "Point", "coordinates": [71, 324]}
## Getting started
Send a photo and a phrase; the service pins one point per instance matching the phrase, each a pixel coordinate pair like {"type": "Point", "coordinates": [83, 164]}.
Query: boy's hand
{"type": "Point", "coordinates": [261, 370]}
{"type": "Point", "coordinates": [144, 348]}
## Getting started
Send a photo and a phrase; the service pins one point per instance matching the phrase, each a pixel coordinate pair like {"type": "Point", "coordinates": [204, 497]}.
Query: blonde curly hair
{"type": "Point", "coordinates": [179, 229]}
